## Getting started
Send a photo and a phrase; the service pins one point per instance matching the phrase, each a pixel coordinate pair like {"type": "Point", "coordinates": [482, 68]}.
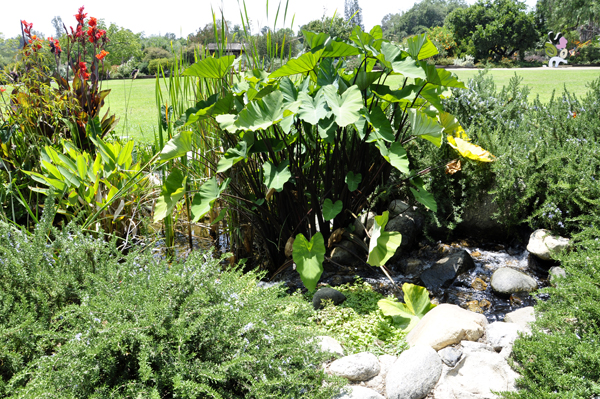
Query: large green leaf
{"type": "Point", "coordinates": [432, 94]}
{"type": "Point", "coordinates": [305, 63]}
{"type": "Point", "coordinates": [206, 196]}
{"type": "Point", "coordinates": [327, 73]}
{"type": "Point", "coordinates": [353, 180]}
{"type": "Point", "coordinates": [212, 68]}
{"type": "Point", "coordinates": [345, 107]}
{"type": "Point", "coordinates": [409, 68]}
{"type": "Point", "coordinates": [331, 209]}
{"type": "Point", "coordinates": [235, 154]}
{"type": "Point", "coordinates": [335, 49]}
{"type": "Point", "coordinates": [312, 110]}
{"type": "Point", "coordinates": [441, 77]}
{"type": "Point", "coordinates": [178, 146]}
{"type": "Point", "coordinates": [426, 127]}
{"type": "Point", "coordinates": [407, 315]}
{"type": "Point", "coordinates": [420, 47]}
{"type": "Point", "coordinates": [289, 90]}
{"type": "Point", "coordinates": [422, 195]}
{"type": "Point", "coordinates": [395, 155]}
{"type": "Point", "coordinates": [382, 128]}
{"type": "Point", "coordinates": [383, 244]}
{"type": "Point", "coordinates": [406, 94]}
{"type": "Point", "coordinates": [309, 257]}
{"type": "Point", "coordinates": [390, 53]}
{"type": "Point", "coordinates": [276, 176]}
{"type": "Point", "coordinates": [261, 114]}
{"type": "Point", "coordinates": [171, 192]}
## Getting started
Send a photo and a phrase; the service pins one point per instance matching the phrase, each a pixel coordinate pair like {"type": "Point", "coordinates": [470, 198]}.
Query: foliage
{"type": "Point", "coordinates": [423, 15]}
{"type": "Point", "coordinates": [561, 16]}
{"type": "Point", "coordinates": [498, 29]}
{"type": "Point", "coordinates": [561, 358]}
{"type": "Point", "coordinates": [358, 322]}
{"type": "Point", "coordinates": [443, 38]}
{"type": "Point", "coordinates": [276, 44]}
{"type": "Point", "coordinates": [153, 53]}
{"type": "Point", "coordinates": [160, 64]}
{"type": "Point", "coordinates": [80, 317]}
{"type": "Point", "coordinates": [327, 121]}
{"type": "Point", "coordinates": [123, 45]}
{"type": "Point", "coordinates": [407, 315]}
{"type": "Point", "coordinates": [353, 13]}
{"type": "Point", "coordinates": [334, 26]}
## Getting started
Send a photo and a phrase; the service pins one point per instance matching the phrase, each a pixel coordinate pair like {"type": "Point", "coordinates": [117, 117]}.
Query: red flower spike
{"type": "Point", "coordinates": [93, 22]}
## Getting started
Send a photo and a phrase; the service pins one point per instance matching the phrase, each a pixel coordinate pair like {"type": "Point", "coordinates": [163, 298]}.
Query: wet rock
{"type": "Point", "coordinates": [477, 374]}
{"type": "Point", "coordinates": [500, 334]}
{"type": "Point", "coordinates": [342, 253]}
{"type": "Point", "coordinates": [405, 225]}
{"type": "Point", "coordinates": [414, 374]}
{"type": "Point", "coordinates": [331, 345]}
{"type": "Point", "coordinates": [477, 219]}
{"type": "Point", "coordinates": [556, 273]}
{"type": "Point", "coordinates": [450, 355]}
{"type": "Point", "coordinates": [522, 317]}
{"type": "Point", "coordinates": [544, 246]}
{"type": "Point", "coordinates": [507, 281]}
{"type": "Point", "coordinates": [478, 284]}
{"type": "Point", "coordinates": [358, 392]}
{"type": "Point", "coordinates": [478, 306]}
{"type": "Point", "coordinates": [445, 270]}
{"type": "Point", "coordinates": [359, 367]}
{"type": "Point", "coordinates": [447, 325]}
{"type": "Point", "coordinates": [363, 223]}
{"type": "Point", "coordinates": [412, 266]}
{"type": "Point", "coordinates": [327, 293]}
{"type": "Point", "coordinates": [396, 207]}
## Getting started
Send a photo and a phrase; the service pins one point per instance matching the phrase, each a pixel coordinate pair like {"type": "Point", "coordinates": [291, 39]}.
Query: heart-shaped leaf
{"type": "Point", "coordinates": [212, 68]}
{"type": "Point", "coordinates": [330, 209]}
{"type": "Point", "coordinates": [276, 176]}
{"type": "Point", "coordinates": [353, 180]}
{"type": "Point", "coordinates": [309, 257]}
{"type": "Point", "coordinates": [408, 314]}
{"type": "Point", "coordinates": [345, 107]}
{"type": "Point", "coordinates": [383, 244]}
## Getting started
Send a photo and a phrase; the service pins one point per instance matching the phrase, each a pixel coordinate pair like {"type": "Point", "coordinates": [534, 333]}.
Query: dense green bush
{"type": "Point", "coordinates": [162, 64]}
{"type": "Point", "coordinates": [80, 320]}
{"type": "Point", "coordinates": [546, 174]}
{"type": "Point", "coordinates": [561, 359]}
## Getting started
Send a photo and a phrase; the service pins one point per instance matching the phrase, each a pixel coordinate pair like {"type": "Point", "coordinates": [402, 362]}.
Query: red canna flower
{"type": "Point", "coordinates": [80, 16]}
{"type": "Point", "coordinates": [102, 54]}
{"type": "Point", "coordinates": [2, 89]}
{"type": "Point", "coordinates": [93, 22]}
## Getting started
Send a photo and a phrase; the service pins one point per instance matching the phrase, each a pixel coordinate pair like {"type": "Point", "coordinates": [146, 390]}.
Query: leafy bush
{"type": "Point", "coordinates": [80, 320]}
{"type": "Point", "coordinates": [561, 359]}
{"type": "Point", "coordinates": [162, 64]}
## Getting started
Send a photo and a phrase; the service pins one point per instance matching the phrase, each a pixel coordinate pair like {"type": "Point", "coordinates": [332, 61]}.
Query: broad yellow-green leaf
{"type": "Point", "coordinates": [346, 107]}
{"type": "Point", "coordinates": [262, 113]}
{"type": "Point", "coordinates": [178, 146]}
{"type": "Point", "coordinates": [233, 156]}
{"type": "Point", "coordinates": [420, 47]}
{"type": "Point", "coordinates": [171, 192]}
{"type": "Point", "coordinates": [382, 128]}
{"type": "Point", "coordinates": [407, 314]}
{"type": "Point", "coordinates": [441, 77]}
{"type": "Point", "coordinates": [331, 209]}
{"type": "Point", "coordinates": [276, 176]}
{"type": "Point", "coordinates": [425, 127]}
{"type": "Point", "coordinates": [212, 68]}
{"type": "Point", "coordinates": [312, 110]}
{"type": "Point", "coordinates": [353, 180]}
{"type": "Point", "coordinates": [206, 196]}
{"type": "Point", "coordinates": [390, 53]}
{"type": "Point", "coordinates": [335, 49]}
{"type": "Point", "coordinates": [406, 95]}
{"type": "Point", "coordinates": [383, 244]}
{"type": "Point", "coordinates": [422, 195]}
{"type": "Point", "coordinates": [409, 68]}
{"type": "Point", "coordinates": [469, 150]}
{"type": "Point", "coordinates": [309, 257]}
{"type": "Point", "coordinates": [303, 64]}
{"type": "Point", "coordinates": [395, 155]}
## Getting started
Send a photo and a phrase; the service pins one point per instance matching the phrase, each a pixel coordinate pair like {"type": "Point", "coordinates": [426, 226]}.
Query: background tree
{"type": "Point", "coordinates": [123, 45]}
{"type": "Point", "coordinates": [59, 30]}
{"type": "Point", "coordinates": [336, 27]}
{"type": "Point", "coordinates": [353, 13]}
{"type": "Point", "coordinates": [420, 17]}
{"type": "Point", "coordinates": [283, 38]}
{"type": "Point", "coordinates": [8, 50]}
{"type": "Point", "coordinates": [206, 34]}
{"type": "Point", "coordinates": [564, 16]}
{"type": "Point", "coordinates": [497, 28]}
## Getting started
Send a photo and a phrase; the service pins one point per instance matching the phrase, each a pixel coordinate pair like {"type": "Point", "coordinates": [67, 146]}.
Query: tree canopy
{"type": "Point", "coordinates": [496, 28]}
{"type": "Point", "coordinates": [353, 13]}
{"type": "Point", "coordinates": [336, 27]}
{"type": "Point", "coordinates": [563, 16]}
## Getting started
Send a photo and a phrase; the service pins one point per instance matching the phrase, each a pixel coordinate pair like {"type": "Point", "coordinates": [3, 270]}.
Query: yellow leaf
{"type": "Point", "coordinates": [469, 150]}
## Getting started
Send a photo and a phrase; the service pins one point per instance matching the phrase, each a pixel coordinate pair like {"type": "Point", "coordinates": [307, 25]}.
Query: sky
{"type": "Point", "coordinates": [188, 15]}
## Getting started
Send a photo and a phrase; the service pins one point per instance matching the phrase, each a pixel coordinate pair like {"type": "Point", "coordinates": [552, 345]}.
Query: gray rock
{"type": "Point", "coordinates": [543, 245]}
{"type": "Point", "coordinates": [472, 346]}
{"type": "Point", "coordinates": [327, 293]}
{"type": "Point", "coordinates": [556, 273]}
{"type": "Point", "coordinates": [358, 392]}
{"type": "Point", "coordinates": [341, 254]}
{"type": "Point", "coordinates": [331, 345]}
{"type": "Point", "coordinates": [414, 374]}
{"type": "Point", "coordinates": [476, 375]}
{"type": "Point", "coordinates": [447, 325]}
{"type": "Point", "coordinates": [363, 223]}
{"type": "Point", "coordinates": [405, 225]}
{"type": "Point", "coordinates": [450, 355]}
{"type": "Point", "coordinates": [522, 317]}
{"type": "Point", "coordinates": [506, 280]}
{"type": "Point", "coordinates": [478, 221]}
{"type": "Point", "coordinates": [359, 367]}
{"type": "Point", "coordinates": [500, 335]}
{"type": "Point", "coordinates": [445, 270]}
{"type": "Point", "coordinates": [396, 207]}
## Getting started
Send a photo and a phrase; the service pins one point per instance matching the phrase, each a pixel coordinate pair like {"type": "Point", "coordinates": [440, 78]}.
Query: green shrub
{"type": "Point", "coordinates": [159, 63]}
{"type": "Point", "coordinates": [561, 359]}
{"type": "Point", "coordinates": [80, 320]}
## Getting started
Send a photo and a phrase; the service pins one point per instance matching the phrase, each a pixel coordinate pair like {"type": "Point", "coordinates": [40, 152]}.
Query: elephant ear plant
{"type": "Point", "coordinates": [305, 147]}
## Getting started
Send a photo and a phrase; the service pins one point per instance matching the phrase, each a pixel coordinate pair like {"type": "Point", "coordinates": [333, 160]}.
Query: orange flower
{"type": "Point", "coordinates": [93, 22]}
{"type": "Point", "coordinates": [102, 54]}
{"type": "Point", "coordinates": [2, 89]}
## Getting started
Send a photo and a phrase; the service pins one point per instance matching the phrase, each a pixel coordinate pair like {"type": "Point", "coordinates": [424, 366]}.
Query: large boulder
{"type": "Point", "coordinates": [450, 355]}
{"type": "Point", "coordinates": [345, 253]}
{"type": "Point", "coordinates": [544, 245]}
{"type": "Point", "coordinates": [405, 225]}
{"type": "Point", "coordinates": [331, 345]}
{"type": "Point", "coordinates": [414, 374]}
{"type": "Point", "coordinates": [445, 270]}
{"type": "Point", "coordinates": [479, 372]}
{"type": "Point", "coordinates": [500, 335]}
{"type": "Point", "coordinates": [327, 293]}
{"type": "Point", "coordinates": [478, 219]}
{"type": "Point", "coordinates": [359, 367]}
{"type": "Point", "coordinates": [447, 325]}
{"type": "Point", "coordinates": [507, 280]}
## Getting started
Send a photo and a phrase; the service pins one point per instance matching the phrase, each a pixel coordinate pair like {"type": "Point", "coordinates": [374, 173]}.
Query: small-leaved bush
{"type": "Point", "coordinates": [359, 324]}
{"type": "Point", "coordinates": [561, 359]}
{"type": "Point", "coordinates": [78, 319]}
